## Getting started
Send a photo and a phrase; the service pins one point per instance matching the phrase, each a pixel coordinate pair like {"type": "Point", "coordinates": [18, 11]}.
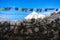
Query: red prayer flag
{"type": "Point", "coordinates": [9, 8]}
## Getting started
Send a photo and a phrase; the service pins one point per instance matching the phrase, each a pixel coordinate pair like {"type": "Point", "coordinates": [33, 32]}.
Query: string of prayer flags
{"type": "Point", "coordinates": [7, 9]}
{"type": "Point", "coordinates": [19, 9]}
{"type": "Point", "coordinates": [29, 9]}
{"type": "Point", "coordinates": [39, 10]}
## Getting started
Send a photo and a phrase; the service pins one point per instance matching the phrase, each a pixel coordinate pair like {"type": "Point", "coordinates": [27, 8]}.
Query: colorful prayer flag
{"type": "Point", "coordinates": [37, 10]}
{"type": "Point", "coordinates": [26, 9]}
{"type": "Point", "coordinates": [9, 8]}
{"type": "Point", "coordinates": [16, 8]}
{"type": "Point", "coordinates": [31, 9]}
{"type": "Point", "coordinates": [40, 10]}
{"type": "Point", "coordinates": [2, 9]}
{"type": "Point", "coordinates": [23, 9]}
{"type": "Point", "coordinates": [5, 9]}
{"type": "Point", "coordinates": [19, 9]}
{"type": "Point", "coordinates": [46, 9]}
{"type": "Point", "coordinates": [57, 9]}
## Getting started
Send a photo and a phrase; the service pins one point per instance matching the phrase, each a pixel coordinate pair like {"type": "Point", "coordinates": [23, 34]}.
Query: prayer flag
{"type": "Point", "coordinates": [5, 9]}
{"type": "Point", "coordinates": [57, 9]}
{"type": "Point", "coordinates": [40, 10]}
{"type": "Point", "coordinates": [23, 9]}
{"type": "Point", "coordinates": [9, 8]}
{"type": "Point", "coordinates": [16, 8]}
{"type": "Point", "coordinates": [2, 9]}
{"type": "Point", "coordinates": [45, 10]}
{"type": "Point", "coordinates": [19, 9]}
{"type": "Point", "coordinates": [37, 10]}
{"type": "Point", "coordinates": [26, 9]}
{"type": "Point", "coordinates": [31, 9]}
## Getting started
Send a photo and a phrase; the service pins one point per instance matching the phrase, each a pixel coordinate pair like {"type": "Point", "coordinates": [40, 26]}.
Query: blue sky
{"type": "Point", "coordinates": [16, 15]}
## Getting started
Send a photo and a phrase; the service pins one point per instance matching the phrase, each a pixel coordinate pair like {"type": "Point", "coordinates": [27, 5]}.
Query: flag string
{"type": "Point", "coordinates": [29, 9]}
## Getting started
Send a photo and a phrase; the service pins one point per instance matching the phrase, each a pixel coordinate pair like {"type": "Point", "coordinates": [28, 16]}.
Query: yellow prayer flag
{"type": "Point", "coordinates": [19, 9]}
{"type": "Point", "coordinates": [2, 9]}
